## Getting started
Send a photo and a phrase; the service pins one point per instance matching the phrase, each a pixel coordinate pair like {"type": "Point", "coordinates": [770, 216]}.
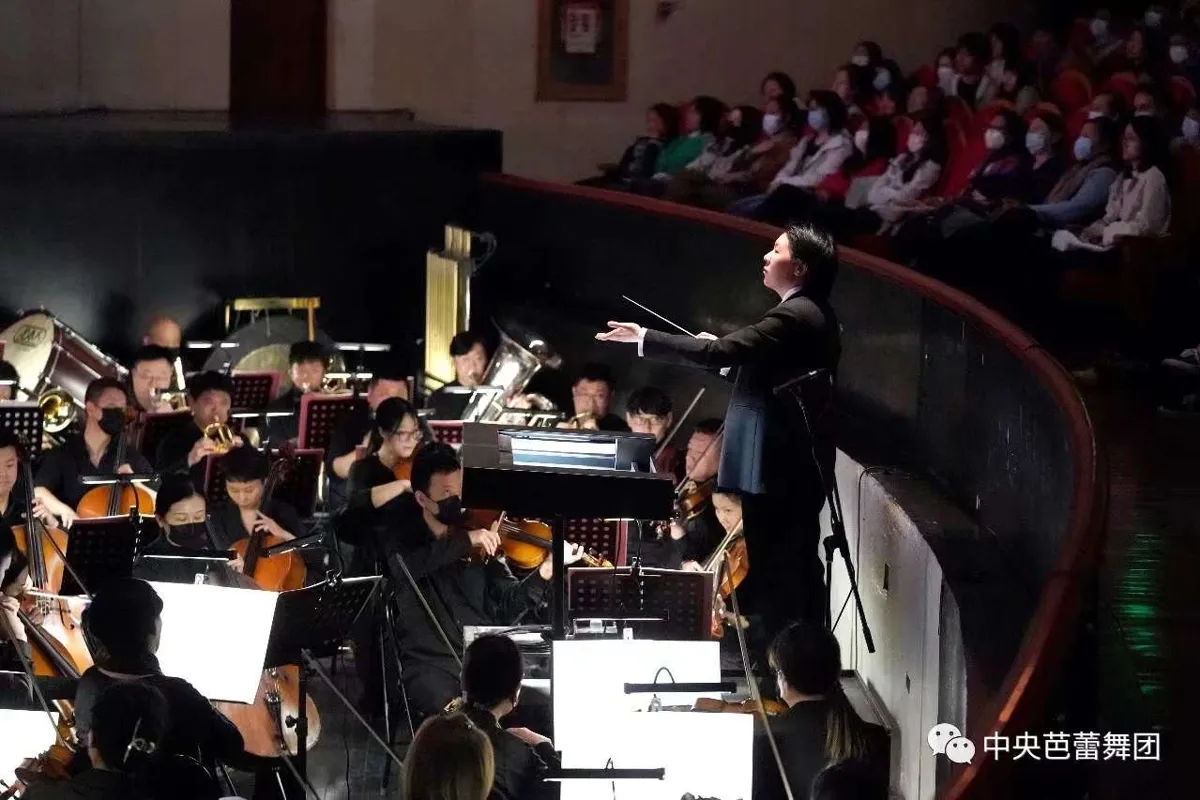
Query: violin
{"type": "Point", "coordinates": [526, 542]}
{"type": "Point", "coordinates": [402, 469]}
{"type": "Point", "coordinates": [709, 705]}
{"type": "Point", "coordinates": [692, 498]}
{"type": "Point", "coordinates": [261, 723]}
{"type": "Point", "coordinates": [116, 498]}
{"type": "Point", "coordinates": [731, 562]}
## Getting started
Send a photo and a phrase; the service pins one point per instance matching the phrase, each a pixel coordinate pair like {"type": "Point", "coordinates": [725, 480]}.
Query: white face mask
{"type": "Point", "coordinates": [771, 124]}
{"type": "Point", "coordinates": [859, 60]}
{"type": "Point", "coordinates": [1191, 129]}
{"type": "Point", "coordinates": [1179, 54]}
{"type": "Point", "coordinates": [1035, 142]}
{"type": "Point", "coordinates": [1153, 18]}
{"type": "Point", "coordinates": [1099, 28]}
{"type": "Point", "coordinates": [1094, 115]}
{"type": "Point", "coordinates": [945, 73]}
{"type": "Point", "coordinates": [860, 139]}
{"type": "Point", "coordinates": [993, 139]}
{"type": "Point", "coordinates": [916, 143]}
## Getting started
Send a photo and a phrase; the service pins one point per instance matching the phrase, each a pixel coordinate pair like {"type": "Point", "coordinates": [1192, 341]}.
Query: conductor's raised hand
{"type": "Point", "coordinates": [621, 332]}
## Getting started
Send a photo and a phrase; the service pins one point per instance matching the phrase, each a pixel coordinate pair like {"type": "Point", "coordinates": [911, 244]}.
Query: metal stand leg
{"type": "Point", "coordinates": [388, 647]}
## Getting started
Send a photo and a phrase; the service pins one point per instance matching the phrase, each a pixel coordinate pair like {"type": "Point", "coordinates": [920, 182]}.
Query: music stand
{"type": "Point", "coordinates": [24, 420]}
{"type": "Point", "coordinates": [252, 391]}
{"type": "Point", "coordinates": [321, 413]}
{"type": "Point", "coordinates": [298, 487]}
{"type": "Point", "coordinates": [660, 603]}
{"type": "Point", "coordinates": [156, 426]}
{"type": "Point", "coordinates": [603, 538]}
{"type": "Point", "coordinates": [447, 431]}
{"type": "Point", "coordinates": [99, 550]}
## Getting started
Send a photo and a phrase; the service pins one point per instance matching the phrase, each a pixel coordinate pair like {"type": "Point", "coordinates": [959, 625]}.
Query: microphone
{"type": "Point", "coordinates": [794, 382]}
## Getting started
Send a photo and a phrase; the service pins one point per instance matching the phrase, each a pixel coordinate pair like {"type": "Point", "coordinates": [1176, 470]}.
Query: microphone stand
{"type": "Point", "coordinates": [836, 541]}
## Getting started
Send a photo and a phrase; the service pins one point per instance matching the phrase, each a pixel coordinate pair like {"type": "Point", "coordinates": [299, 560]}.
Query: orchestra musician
{"type": "Point", "coordinates": [9, 381]}
{"type": "Point", "coordinates": [359, 430]}
{"type": "Point", "coordinates": [766, 453]}
{"type": "Point", "coordinates": [470, 357]}
{"type": "Point", "coordinates": [491, 683]}
{"type": "Point", "coordinates": [592, 395]}
{"type": "Point", "coordinates": [181, 513]}
{"type": "Point", "coordinates": [164, 332]}
{"type": "Point", "coordinates": [649, 410]}
{"type": "Point", "coordinates": [458, 574]}
{"type": "Point", "coordinates": [12, 562]}
{"type": "Point", "coordinates": [150, 373]}
{"type": "Point", "coordinates": [185, 448]}
{"type": "Point", "coordinates": [306, 368]}
{"type": "Point", "coordinates": [243, 512]}
{"type": "Point", "coordinates": [58, 482]}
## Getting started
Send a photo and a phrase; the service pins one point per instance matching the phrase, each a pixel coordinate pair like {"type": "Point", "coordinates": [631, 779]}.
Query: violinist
{"type": "Point", "coordinates": [9, 381]}
{"type": "Point", "coordinates": [592, 395]}
{"type": "Point", "coordinates": [649, 410]}
{"type": "Point", "coordinates": [359, 430]}
{"type": "Point", "coordinates": [696, 529]}
{"type": "Point", "coordinates": [433, 542]}
{"type": "Point", "coordinates": [150, 374]}
{"type": "Point", "coordinates": [186, 448]}
{"type": "Point", "coordinates": [306, 369]}
{"type": "Point", "coordinates": [124, 621]}
{"type": "Point", "coordinates": [58, 481]}
{"type": "Point", "coordinates": [243, 512]}
{"type": "Point", "coordinates": [374, 486]}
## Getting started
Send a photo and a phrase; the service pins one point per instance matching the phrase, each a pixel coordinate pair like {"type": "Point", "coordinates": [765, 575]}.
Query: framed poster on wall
{"type": "Point", "coordinates": [583, 49]}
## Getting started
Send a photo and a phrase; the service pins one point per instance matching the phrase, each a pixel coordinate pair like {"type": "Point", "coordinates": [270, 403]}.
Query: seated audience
{"type": "Point", "coordinates": [491, 682]}
{"type": "Point", "coordinates": [1189, 130]}
{"type": "Point", "coordinates": [1107, 104]}
{"type": "Point", "coordinates": [1184, 58]}
{"type": "Point", "coordinates": [971, 82]}
{"type": "Point", "coordinates": [1004, 45]}
{"type": "Point", "coordinates": [638, 162]}
{"type": "Point", "coordinates": [450, 758]}
{"type": "Point", "coordinates": [1016, 86]}
{"type": "Point", "coordinates": [887, 90]}
{"type": "Point", "coordinates": [1146, 103]}
{"type": "Point", "coordinates": [776, 85]}
{"type": "Point", "coordinates": [820, 727]}
{"type": "Point", "coordinates": [846, 86]}
{"type": "Point", "coordinates": [947, 70]}
{"type": "Point", "coordinates": [1139, 57]}
{"type": "Point", "coordinates": [727, 156]}
{"type": "Point", "coordinates": [1105, 44]}
{"type": "Point", "coordinates": [701, 125]}
{"type": "Point", "coordinates": [925, 101]}
{"type": "Point", "coordinates": [815, 157]}
{"type": "Point", "coordinates": [1044, 139]}
{"type": "Point", "coordinates": [849, 780]}
{"type": "Point", "coordinates": [1047, 57]}
{"type": "Point", "coordinates": [908, 177]}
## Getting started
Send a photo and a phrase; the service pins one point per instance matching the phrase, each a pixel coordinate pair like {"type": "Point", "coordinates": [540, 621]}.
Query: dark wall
{"type": "Point", "coordinates": [109, 221]}
{"type": "Point", "coordinates": [922, 382]}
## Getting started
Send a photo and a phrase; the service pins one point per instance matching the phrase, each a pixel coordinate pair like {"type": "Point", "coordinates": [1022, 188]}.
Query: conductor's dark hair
{"type": "Point", "coordinates": [151, 352]}
{"type": "Point", "coordinates": [595, 372]}
{"type": "Point", "coordinates": [210, 381]}
{"type": "Point", "coordinates": [122, 616]}
{"type": "Point", "coordinates": [438, 458]}
{"type": "Point", "coordinates": [304, 352]}
{"type": "Point", "coordinates": [244, 464]}
{"type": "Point", "coordinates": [102, 385]}
{"type": "Point", "coordinates": [175, 487]}
{"type": "Point", "coordinates": [813, 248]}
{"type": "Point", "coordinates": [129, 721]}
{"type": "Point", "coordinates": [851, 779]}
{"type": "Point", "coordinates": [649, 400]}
{"type": "Point", "coordinates": [463, 341]}
{"type": "Point", "coordinates": [709, 426]}
{"type": "Point", "coordinates": [492, 670]}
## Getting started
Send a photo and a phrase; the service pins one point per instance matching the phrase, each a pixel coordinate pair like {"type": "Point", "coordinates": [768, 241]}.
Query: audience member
{"type": "Point", "coordinates": [971, 82]}
{"type": "Point", "coordinates": [450, 758]}
{"type": "Point", "coordinates": [909, 176]}
{"type": "Point", "coordinates": [701, 124]}
{"type": "Point", "coordinates": [776, 85]}
{"type": "Point", "coordinates": [1105, 43]}
{"type": "Point", "coordinates": [726, 156]}
{"type": "Point", "coordinates": [1107, 104]}
{"type": "Point", "coordinates": [639, 159]}
{"type": "Point", "coordinates": [1016, 86]}
{"type": "Point", "coordinates": [947, 71]}
{"type": "Point", "coordinates": [846, 86]}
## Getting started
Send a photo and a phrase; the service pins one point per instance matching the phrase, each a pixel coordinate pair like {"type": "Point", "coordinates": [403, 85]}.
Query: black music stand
{"type": "Point", "coordinates": [603, 538]}
{"type": "Point", "coordinates": [156, 426]}
{"type": "Point", "coordinates": [298, 487]}
{"type": "Point", "coordinates": [312, 623]}
{"type": "Point", "coordinates": [99, 550]}
{"type": "Point", "coordinates": [24, 420]}
{"type": "Point", "coordinates": [321, 413]}
{"type": "Point", "coordinates": [662, 603]}
{"type": "Point", "coordinates": [252, 391]}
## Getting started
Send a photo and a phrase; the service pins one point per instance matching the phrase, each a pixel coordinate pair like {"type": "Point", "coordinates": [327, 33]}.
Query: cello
{"type": "Point", "coordinates": [263, 722]}
{"type": "Point", "coordinates": [116, 498]}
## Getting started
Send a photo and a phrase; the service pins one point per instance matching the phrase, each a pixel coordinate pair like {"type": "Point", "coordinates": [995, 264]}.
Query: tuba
{"type": "Point", "coordinates": [512, 367]}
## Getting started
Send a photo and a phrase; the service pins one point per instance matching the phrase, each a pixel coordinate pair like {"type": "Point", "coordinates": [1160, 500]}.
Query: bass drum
{"type": "Point", "coordinates": [49, 354]}
{"type": "Point", "coordinates": [263, 345]}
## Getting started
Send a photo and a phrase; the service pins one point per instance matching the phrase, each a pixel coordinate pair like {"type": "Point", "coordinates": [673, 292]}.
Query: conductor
{"type": "Point", "coordinates": [767, 455]}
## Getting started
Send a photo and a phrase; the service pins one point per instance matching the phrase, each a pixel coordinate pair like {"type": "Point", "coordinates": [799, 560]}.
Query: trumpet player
{"type": "Point", "coordinates": [186, 448]}
{"type": "Point", "coordinates": [150, 375]}
{"type": "Point", "coordinates": [306, 369]}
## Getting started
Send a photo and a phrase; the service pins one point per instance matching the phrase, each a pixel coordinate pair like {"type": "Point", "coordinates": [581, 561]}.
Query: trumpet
{"type": "Point", "coordinates": [58, 410]}
{"type": "Point", "coordinates": [221, 436]}
{"type": "Point", "coordinates": [175, 400]}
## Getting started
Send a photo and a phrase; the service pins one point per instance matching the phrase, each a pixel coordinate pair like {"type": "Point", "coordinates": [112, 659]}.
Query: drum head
{"type": "Point", "coordinates": [264, 344]}
{"type": "Point", "coordinates": [28, 345]}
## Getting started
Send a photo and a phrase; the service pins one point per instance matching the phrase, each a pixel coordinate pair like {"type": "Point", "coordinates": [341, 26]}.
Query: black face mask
{"type": "Point", "coordinates": [192, 535]}
{"type": "Point", "coordinates": [450, 510]}
{"type": "Point", "coordinates": [112, 421]}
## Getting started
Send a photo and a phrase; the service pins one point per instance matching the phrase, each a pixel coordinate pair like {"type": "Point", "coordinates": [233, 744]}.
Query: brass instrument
{"type": "Point", "coordinates": [585, 421]}
{"type": "Point", "coordinates": [512, 367]}
{"type": "Point", "coordinates": [175, 400]}
{"type": "Point", "coordinates": [58, 410]}
{"type": "Point", "coordinates": [221, 436]}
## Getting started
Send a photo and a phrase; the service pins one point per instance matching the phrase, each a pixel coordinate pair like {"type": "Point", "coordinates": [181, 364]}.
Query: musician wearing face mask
{"type": "Point", "coordinates": [244, 512]}
{"type": "Point", "coordinates": [187, 448]}
{"type": "Point", "coordinates": [432, 541]}
{"type": "Point", "coordinates": [306, 370]}
{"type": "Point", "coordinates": [181, 513]}
{"type": "Point", "coordinates": [150, 374]}
{"type": "Point", "coordinates": [58, 481]}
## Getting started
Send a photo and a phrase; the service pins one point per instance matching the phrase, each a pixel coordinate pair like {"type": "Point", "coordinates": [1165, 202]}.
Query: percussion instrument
{"type": "Point", "coordinates": [263, 344]}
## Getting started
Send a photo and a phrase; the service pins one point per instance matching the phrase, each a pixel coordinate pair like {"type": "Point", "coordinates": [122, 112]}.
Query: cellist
{"type": "Point", "coordinates": [12, 562]}
{"type": "Point", "coordinates": [244, 512]}
{"type": "Point", "coordinates": [58, 483]}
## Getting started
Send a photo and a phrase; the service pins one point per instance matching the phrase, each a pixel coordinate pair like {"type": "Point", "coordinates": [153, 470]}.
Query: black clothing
{"type": "Point", "coordinates": [62, 467]}
{"type": "Point", "coordinates": [1044, 178]}
{"type": "Point", "coordinates": [611, 422]}
{"type": "Point", "coordinates": [519, 767]}
{"type": "Point", "coordinates": [173, 453]}
{"type": "Point", "coordinates": [460, 591]}
{"type": "Point", "coordinates": [345, 437]}
{"type": "Point", "coordinates": [359, 522]}
{"type": "Point", "coordinates": [766, 452]}
{"type": "Point", "coordinates": [194, 727]}
{"type": "Point", "coordinates": [284, 429]}
{"type": "Point", "coordinates": [94, 784]}
{"type": "Point", "coordinates": [12, 561]}
{"type": "Point", "coordinates": [800, 735]}
{"type": "Point", "coordinates": [227, 527]}
{"type": "Point", "coordinates": [701, 535]}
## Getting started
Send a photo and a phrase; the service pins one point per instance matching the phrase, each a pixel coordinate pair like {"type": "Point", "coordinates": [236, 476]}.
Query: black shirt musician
{"type": "Point", "coordinates": [182, 513]}
{"type": "Point", "coordinates": [592, 396]}
{"type": "Point", "coordinates": [458, 573]}
{"type": "Point", "coordinates": [187, 447]}
{"type": "Point", "coordinates": [649, 410]}
{"type": "Point", "coordinates": [306, 368]}
{"type": "Point", "coordinates": [491, 682]}
{"type": "Point", "coordinates": [358, 430]}
{"type": "Point", "coordinates": [820, 726]}
{"type": "Point", "coordinates": [10, 381]}
{"type": "Point", "coordinates": [470, 357]}
{"type": "Point", "coordinates": [58, 483]}
{"type": "Point", "coordinates": [766, 451]}
{"type": "Point", "coordinates": [150, 374]}
{"type": "Point", "coordinates": [12, 561]}
{"type": "Point", "coordinates": [245, 511]}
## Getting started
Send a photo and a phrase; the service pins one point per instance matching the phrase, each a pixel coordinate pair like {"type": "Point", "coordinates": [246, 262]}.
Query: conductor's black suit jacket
{"type": "Point", "coordinates": [765, 447]}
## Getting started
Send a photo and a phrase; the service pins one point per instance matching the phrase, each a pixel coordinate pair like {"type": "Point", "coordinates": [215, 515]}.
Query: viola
{"type": "Point", "coordinates": [526, 542]}
{"type": "Point", "coordinates": [116, 498]}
